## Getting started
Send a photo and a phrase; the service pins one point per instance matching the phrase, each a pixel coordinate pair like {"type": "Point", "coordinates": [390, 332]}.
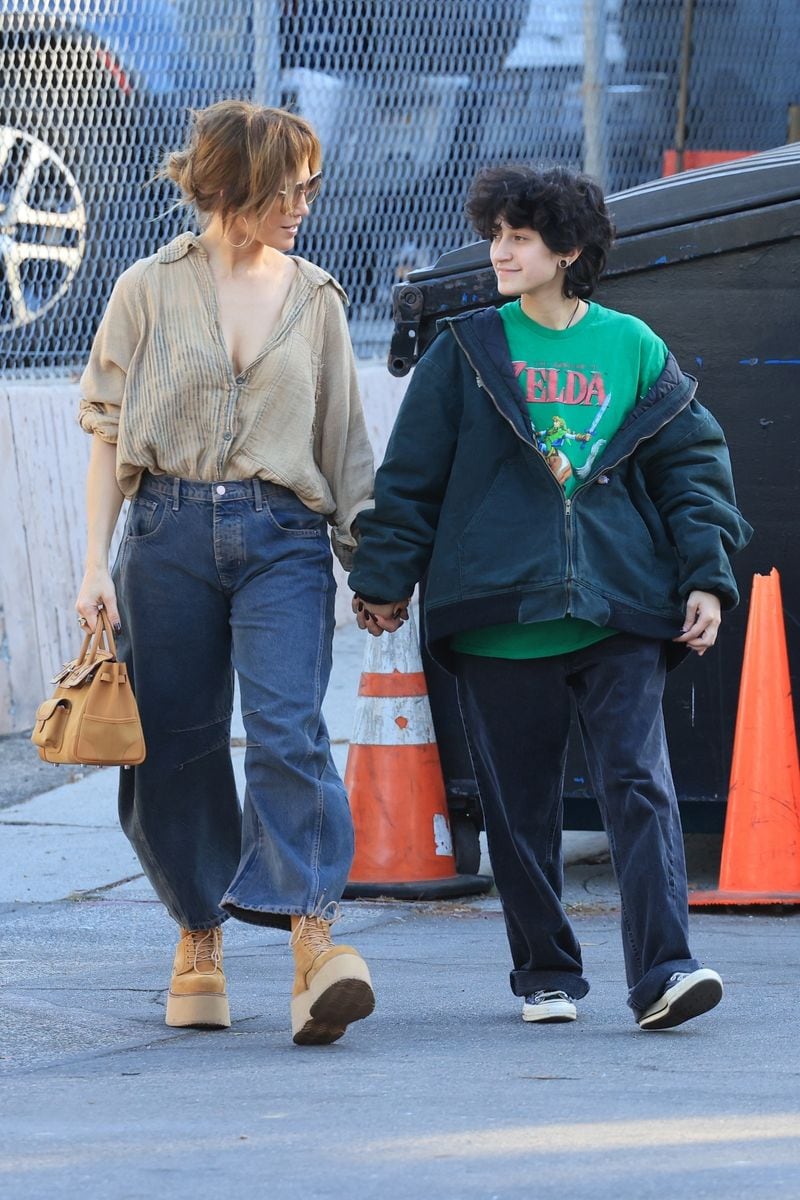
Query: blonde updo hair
{"type": "Point", "coordinates": [240, 156]}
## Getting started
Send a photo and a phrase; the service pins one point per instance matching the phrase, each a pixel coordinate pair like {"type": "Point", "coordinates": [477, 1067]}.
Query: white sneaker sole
{"type": "Point", "coordinates": [550, 1012]}
{"type": "Point", "coordinates": [696, 994]}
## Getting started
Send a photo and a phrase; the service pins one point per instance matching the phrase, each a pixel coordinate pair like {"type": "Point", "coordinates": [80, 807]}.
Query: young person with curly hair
{"type": "Point", "coordinates": [222, 398]}
{"type": "Point", "coordinates": [572, 504]}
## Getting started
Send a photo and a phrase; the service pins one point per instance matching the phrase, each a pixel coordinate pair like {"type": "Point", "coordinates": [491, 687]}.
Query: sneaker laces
{"type": "Point", "coordinates": [542, 997]}
{"type": "Point", "coordinates": [206, 946]}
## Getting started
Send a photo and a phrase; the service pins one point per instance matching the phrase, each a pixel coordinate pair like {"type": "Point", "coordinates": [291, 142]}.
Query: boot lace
{"type": "Point", "coordinates": [206, 946]}
{"type": "Point", "coordinates": [314, 931]}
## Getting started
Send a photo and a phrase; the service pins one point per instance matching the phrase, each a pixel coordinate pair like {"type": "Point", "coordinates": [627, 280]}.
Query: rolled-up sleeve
{"type": "Point", "coordinates": [102, 384]}
{"type": "Point", "coordinates": [343, 451]}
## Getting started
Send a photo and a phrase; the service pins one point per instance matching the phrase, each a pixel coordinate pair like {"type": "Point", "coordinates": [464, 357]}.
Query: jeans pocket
{"type": "Point", "coordinates": [291, 516]}
{"type": "Point", "coordinates": [145, 517]}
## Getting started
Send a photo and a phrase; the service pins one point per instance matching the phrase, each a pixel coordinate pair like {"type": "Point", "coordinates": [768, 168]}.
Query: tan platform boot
{"type": "Point", "coordinates": [332, 985]}
{"type": "Point", "coordinates": [197, 992]}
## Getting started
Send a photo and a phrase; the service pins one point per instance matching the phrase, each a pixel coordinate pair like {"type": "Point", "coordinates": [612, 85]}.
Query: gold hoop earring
{"type": "Point", "coordinates": [238, 245]}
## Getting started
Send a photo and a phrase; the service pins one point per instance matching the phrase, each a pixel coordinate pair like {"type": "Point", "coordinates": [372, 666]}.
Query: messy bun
{"type": "Point", "coordinates": [239, 157]}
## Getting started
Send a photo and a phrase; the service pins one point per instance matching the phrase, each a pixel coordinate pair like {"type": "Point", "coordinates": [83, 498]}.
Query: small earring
{"type": "Point", "coordinates": [238, 245]}
{"type": "Point", "coordinates": [563, 263]}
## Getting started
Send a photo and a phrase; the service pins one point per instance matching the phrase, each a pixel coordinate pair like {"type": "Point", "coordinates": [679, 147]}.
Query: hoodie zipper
{"type": "Point", "coordinates": [568, 536]}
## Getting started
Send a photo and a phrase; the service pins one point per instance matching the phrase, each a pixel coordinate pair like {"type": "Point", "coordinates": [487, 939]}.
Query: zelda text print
{"type": "Point", "coordinates": [563, 442]}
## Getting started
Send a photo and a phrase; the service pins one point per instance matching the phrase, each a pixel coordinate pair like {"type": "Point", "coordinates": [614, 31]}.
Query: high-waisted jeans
{"type": "Point", "coordinates": [213, 578]}
{"type": "Point", "coordinates": [517, 716]}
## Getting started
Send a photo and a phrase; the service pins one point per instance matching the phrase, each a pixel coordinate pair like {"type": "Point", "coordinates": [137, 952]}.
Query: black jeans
{"type": "Point", "coordinates": [517, 716]}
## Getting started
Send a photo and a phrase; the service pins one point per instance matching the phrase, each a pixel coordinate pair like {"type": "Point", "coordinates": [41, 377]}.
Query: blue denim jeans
{"type": "Point", "coordinates": [517, 717]}
{"type": "Point", "coordinates": [213, 578]}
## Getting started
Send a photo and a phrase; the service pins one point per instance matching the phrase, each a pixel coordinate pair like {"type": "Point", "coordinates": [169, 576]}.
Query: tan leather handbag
{"type": "Point", "coordinates": [91, 718]}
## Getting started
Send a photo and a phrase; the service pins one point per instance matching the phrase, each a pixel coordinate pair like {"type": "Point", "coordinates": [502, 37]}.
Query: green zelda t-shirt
{"type": "Point", "coordinates": [579, 384]}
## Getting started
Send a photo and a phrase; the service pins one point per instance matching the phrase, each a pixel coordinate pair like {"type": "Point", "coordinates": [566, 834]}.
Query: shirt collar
{"type": "Point", "coordinates": [180, 246]}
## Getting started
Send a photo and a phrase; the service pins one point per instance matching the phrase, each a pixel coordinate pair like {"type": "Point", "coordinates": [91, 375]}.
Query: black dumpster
{"type": "Point", "coordinates": [711, 260]}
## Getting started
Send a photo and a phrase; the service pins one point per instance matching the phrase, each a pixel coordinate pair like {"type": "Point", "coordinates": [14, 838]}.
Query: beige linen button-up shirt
{"type": "Point", "coordinates": [160, 384]}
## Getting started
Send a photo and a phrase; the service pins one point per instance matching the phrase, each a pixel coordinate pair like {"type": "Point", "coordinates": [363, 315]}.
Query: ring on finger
{"type": "Point", "coordinates": [82, 622]}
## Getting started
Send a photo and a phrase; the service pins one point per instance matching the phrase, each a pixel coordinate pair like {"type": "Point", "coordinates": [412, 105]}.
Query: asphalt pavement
{"type": "Point", "coordinates": [443, 1092]}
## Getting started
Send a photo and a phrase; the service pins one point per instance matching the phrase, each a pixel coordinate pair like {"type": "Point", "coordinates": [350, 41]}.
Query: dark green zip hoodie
{"type": "Point", "coordinates": [465, 495]}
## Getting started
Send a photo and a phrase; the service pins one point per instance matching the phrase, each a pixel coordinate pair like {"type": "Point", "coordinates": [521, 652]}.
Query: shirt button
{"type": "Point", "coordinates": [226, 437]}
{"type": "Point", "coordinates": [220, 490]}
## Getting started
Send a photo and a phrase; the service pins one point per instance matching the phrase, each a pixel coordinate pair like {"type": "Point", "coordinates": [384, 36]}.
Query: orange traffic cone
{"type": "Point", "coordinates": [761, 844]}
{"type": "Point", "coordinates": [394, 779]}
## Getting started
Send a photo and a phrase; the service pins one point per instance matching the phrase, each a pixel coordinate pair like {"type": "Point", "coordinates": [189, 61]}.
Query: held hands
{"type": "Point", "coordinates": [701, 623]}
{"type": "Point", "coordinates": [377, 618]}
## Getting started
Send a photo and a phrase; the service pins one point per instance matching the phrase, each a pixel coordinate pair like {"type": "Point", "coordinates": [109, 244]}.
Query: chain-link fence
{"type": "Point", "coordinates": [410, 97]}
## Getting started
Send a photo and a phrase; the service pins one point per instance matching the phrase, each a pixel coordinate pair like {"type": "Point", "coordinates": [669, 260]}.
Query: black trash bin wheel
{"type": "Point", "coordinates": [466, 843]}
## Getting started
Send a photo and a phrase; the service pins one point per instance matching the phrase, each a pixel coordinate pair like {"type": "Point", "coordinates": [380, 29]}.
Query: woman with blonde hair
{"type": "Point", "coordinates": [222, 398]}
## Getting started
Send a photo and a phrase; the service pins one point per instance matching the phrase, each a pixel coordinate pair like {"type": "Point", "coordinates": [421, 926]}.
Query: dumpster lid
{"type": "Point", "coordinates": [760, 180]}
{"type": "Point", "coordinates": [771, 177]}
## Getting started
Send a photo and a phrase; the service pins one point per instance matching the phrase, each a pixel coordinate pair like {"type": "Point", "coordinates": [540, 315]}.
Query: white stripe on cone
{"type": "Point", "coordinates": [441, 836]}
{"type": "Point", "coordinates": [397, 651]}
{"type": "Point", "coordinates": [393, 721]}
{"type": "Point", "coordinates": [398, 800]}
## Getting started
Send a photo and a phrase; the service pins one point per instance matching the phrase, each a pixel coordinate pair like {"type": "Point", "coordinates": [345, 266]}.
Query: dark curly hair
{"type": "Point", "coordinates": [565, 208]}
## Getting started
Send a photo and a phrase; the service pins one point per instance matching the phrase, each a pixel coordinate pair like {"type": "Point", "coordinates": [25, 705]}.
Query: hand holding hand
{"type": "Point", "coordinates": [701, 622]}
{"type": "Point", "coordinates": [377, 618]}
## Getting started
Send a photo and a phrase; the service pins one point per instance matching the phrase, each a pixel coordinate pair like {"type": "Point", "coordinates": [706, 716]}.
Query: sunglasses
{"type": "Point", "coordinates": [310, 189]}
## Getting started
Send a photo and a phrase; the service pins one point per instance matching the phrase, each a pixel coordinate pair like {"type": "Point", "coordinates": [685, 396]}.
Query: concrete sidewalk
{"type": "Point", "coordinates": [443, 1092]}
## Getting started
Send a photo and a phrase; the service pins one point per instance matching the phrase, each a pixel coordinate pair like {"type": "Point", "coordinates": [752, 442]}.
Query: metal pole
{"type": "Point", "coordinates": [266, 52]}
{"type": "Point", "coordinates": [683, 88]}
{"type": "Point", "coordinates": [594, 89]}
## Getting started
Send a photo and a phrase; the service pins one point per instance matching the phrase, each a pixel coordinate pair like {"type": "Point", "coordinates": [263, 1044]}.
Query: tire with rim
{"type": "Point", "coordinates": [64, 166]}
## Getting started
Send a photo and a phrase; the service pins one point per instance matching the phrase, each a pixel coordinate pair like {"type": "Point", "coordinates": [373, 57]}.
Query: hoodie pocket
{"type": "Point", "coordinates": [515, 537]}
{"type": "Point", "coordinates": [616, 552]}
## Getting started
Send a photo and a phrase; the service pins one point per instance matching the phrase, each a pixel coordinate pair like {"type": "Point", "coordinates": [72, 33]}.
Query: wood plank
{"type": "Point", "coordinates": [20, 681]}
{"type": "Point", "coordinates": [42, 531]}
{"type": "Point", "coordinates": [52, 453]}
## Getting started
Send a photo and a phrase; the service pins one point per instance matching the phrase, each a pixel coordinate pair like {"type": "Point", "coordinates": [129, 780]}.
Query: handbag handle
{"type": "Point", "coordinates": [93, 640]}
